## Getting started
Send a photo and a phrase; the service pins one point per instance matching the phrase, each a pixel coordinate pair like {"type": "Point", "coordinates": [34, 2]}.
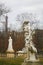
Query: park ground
{"type": "Point", "coordinates": [15, 61]}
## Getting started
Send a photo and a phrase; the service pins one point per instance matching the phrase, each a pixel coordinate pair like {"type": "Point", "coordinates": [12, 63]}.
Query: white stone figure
{"type": "Point", "coordinates": [10, 48]}
{"type": "Point", "coordinates": [33, 53]}
{"type": "Point", "coordinates": [30, 48]}
{"type": "Point", "coordinates": [33, 47]}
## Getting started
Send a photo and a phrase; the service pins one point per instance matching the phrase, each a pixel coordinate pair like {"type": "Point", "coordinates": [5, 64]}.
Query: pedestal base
{"type": "Point", "coordinates": [10, 55]}
{"type": "Point", "coordinates": [32, 58]}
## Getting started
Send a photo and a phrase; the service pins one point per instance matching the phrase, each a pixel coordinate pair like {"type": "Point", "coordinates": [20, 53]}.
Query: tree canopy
{"type": "Point", "coordinates": [3, 9]}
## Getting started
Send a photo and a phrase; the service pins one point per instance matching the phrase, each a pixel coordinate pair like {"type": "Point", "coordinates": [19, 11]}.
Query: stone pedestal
{"type": "Point", "coordinates": [10, 55]}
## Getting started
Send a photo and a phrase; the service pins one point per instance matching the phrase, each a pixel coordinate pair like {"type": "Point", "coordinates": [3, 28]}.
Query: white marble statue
{"type": "Point", "coordinates": [33, 52]}
{"type": "Point", "coordinates": [10, 48]}
{"type": "Point", "coordinates": [33, 47]}
{"type": "Point", "coordinates": [29, 46]}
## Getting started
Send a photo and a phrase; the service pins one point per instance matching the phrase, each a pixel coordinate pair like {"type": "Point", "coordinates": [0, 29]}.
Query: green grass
{"type": "Point", "coordinates": [41, 59]}
{"type": "Point", "coordinates": [15, 61]}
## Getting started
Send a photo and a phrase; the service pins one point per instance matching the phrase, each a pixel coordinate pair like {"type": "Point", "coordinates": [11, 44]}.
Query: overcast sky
{"type": "Point", "coordinates": [21, 6]}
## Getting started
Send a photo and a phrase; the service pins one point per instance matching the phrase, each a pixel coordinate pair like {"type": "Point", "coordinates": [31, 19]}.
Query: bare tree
{"type": "Point", "coordinates": [3, 9]}
{"type": "Point", "coordinates": [32, 18]}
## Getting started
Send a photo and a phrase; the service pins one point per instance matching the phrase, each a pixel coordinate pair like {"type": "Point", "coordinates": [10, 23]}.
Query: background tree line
{"type": "Point", "coordinates": [18, 40]}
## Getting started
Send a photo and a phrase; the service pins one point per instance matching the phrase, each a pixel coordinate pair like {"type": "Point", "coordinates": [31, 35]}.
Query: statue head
{"type": "Point", "coordinates": [10, 37]}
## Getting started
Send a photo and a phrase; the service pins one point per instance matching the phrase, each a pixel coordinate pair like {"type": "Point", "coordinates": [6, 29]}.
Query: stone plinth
{"type": "Point", "coordinates": [10, 55]}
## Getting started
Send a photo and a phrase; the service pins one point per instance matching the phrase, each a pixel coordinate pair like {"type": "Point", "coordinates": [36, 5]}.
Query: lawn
{"type": "Point", "coordinates": [15, 61]}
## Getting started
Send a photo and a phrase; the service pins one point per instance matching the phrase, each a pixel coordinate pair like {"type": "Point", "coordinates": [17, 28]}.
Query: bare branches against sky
{"type": "Point", "coordinates": [21, 6]}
